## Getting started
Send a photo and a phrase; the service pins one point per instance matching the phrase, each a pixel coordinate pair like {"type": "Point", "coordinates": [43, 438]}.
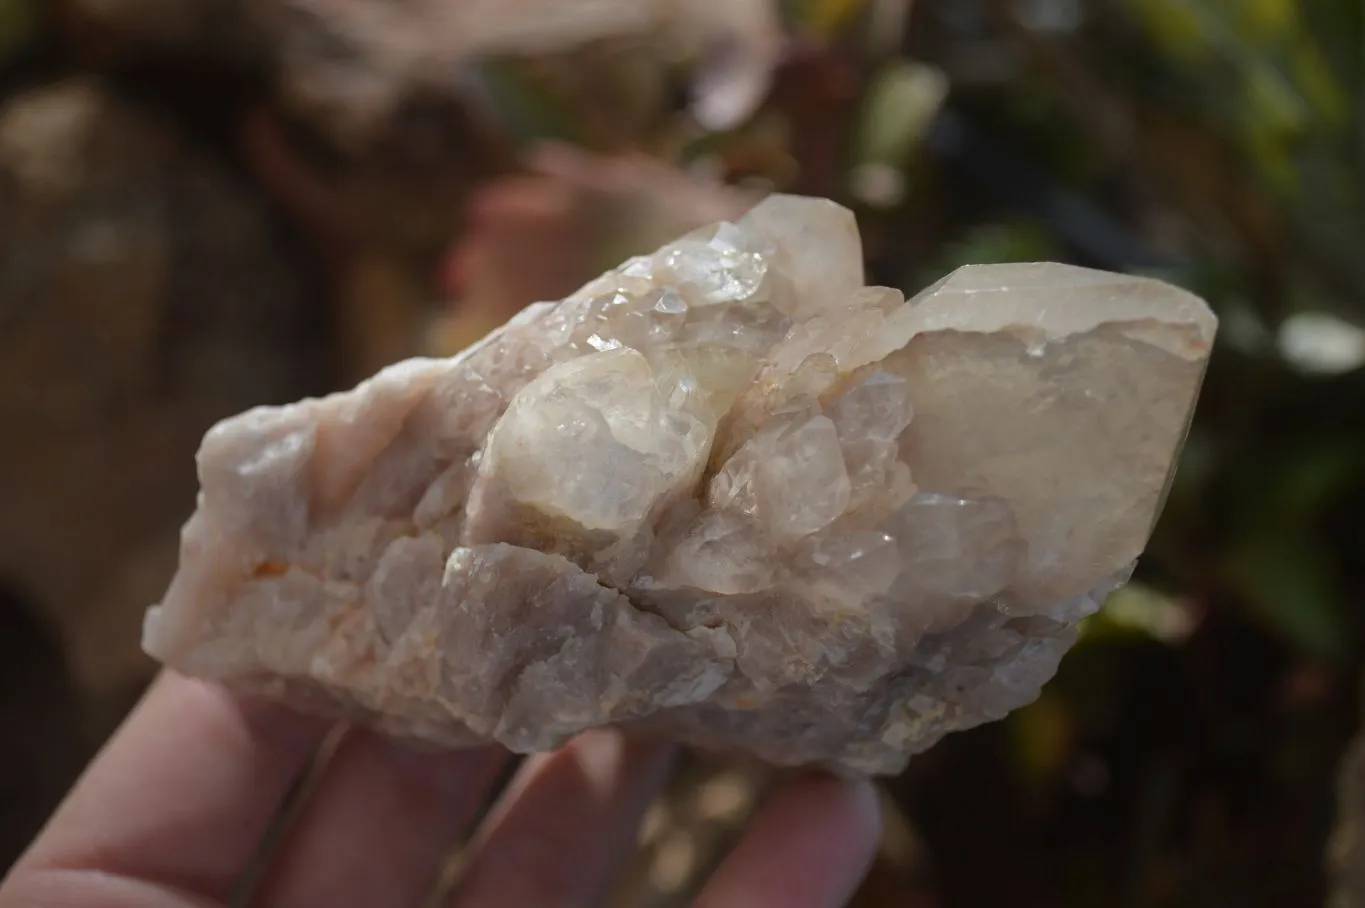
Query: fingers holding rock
{"type": "Point", "coordinates": [567, 822]}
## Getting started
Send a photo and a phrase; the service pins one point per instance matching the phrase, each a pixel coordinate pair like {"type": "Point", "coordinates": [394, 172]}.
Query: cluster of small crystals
{"type": "Point", "coordinates": [725, 492]}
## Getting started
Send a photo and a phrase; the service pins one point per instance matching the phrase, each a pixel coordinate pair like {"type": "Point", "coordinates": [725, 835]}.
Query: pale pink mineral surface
{"type": "Point", "coordinates": [725, 493]}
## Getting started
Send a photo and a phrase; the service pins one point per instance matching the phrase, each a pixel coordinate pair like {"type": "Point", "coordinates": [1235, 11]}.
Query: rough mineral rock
{"type": "Point", "coordinates": [725, 493]}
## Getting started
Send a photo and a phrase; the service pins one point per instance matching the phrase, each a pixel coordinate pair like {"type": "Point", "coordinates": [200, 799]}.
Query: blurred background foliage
{"type": "Point", "coordinates": [206, 204]}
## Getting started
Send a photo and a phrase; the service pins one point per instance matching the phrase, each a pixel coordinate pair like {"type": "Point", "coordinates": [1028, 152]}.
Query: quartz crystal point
{"type": "Point", "coordinates": [724, 493]}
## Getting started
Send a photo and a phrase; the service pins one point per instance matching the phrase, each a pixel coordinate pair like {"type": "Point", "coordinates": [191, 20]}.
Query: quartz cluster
{"type": "Point", "coordinates": [725, 493]}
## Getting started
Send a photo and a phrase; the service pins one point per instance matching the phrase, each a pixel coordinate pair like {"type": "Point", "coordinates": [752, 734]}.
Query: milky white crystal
{"type": "Point", "coordinates": [724, 493]}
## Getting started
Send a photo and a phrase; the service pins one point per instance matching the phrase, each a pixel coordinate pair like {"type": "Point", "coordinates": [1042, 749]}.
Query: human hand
{"type": "Point", "coordinates": [174, 808]}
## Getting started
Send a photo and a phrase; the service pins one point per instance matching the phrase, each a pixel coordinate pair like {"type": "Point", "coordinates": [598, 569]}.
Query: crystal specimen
{"type": "Point", "coordinates": [724, 493]}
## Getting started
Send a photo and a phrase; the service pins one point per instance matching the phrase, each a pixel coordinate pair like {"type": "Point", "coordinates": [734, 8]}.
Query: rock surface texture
{"type": "Point", "coordinates": [724, 493]}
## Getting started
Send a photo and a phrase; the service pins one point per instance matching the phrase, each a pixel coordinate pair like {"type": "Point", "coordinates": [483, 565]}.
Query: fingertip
{"type": "Point", "coordinates": [809, 847]}
{"type": "Point", "coordinates": [865, 807]}
{"type": "Point", "coordinates": [848, 809]}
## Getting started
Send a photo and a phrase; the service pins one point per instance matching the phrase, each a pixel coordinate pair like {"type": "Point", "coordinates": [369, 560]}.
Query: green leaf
{"type": "Point", "coordinates": [1005, 242]}
{"type": "Point", "coordinates": [901, 102]}
{"type": "Point", "coordinates": [1287, 583]}
{"type": "Point", "coordinates": [1268, 20]}
{"type": "Point", "coordinates": [1317, 477]}
{"type": "Point", "coordinates": [1136, 609]}
{"type": "Point", "coordinates": [18, 26]}
{"type": "Point", "coordinates": [1175, 25]}
{"type": "Point", "coordinates": [822, 18]}
{"type": "Point", "coordinates": [527, 109]}
{"type": "Point", "coordinates": [1329, 99]}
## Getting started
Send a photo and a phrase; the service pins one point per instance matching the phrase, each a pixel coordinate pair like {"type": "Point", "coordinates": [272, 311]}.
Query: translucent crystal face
{"type": "Point", "coordinates": [724, 492]}
{"type": "Point", "coordinates": [594, 441]}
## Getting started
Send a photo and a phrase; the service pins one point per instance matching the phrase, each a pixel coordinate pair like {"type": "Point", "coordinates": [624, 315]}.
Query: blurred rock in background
{"type": "Point", "coordinates": [206, 205]}
{"type": "Point", "coordinates": [145, 291]}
